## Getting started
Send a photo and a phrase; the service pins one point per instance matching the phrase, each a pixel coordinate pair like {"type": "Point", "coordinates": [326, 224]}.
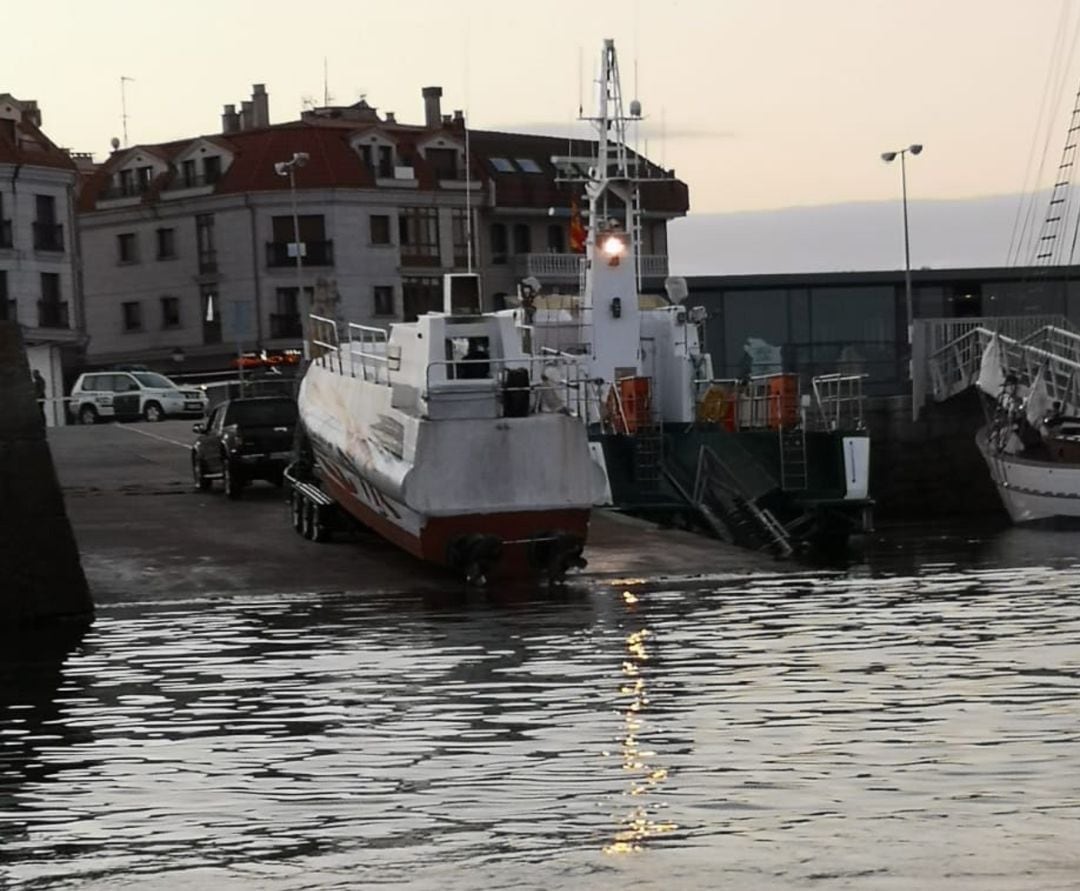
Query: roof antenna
{"type": "Point", "coordinates": [325, 84]}
{"type": "Point", "coordinates": [123, 104]}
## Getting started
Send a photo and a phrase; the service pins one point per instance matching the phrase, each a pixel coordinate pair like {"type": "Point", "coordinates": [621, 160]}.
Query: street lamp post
{"type": "Point", "coordinates": [288, 168]}
{"type": "Point", "coordinates": [888, 157]}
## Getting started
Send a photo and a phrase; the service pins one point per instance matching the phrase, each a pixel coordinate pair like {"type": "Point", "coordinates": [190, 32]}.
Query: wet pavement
{"type": "Point", "coordinates": [146, 533]}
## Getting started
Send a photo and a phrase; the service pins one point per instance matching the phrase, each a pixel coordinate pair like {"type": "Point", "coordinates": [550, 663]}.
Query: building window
{"type": "Point", "coordinates": [380, 229]}
{"type": "Point", "coordinates": [502, 165]}
{"type": "Point", "coordinates": [7, 305]}
{"type": "Point", "coordinates": [127, 248]}
{"type": "Point", "coordinates": [146, 176]}
{"type": "Point", "coordinates": [132, 315]}
{"type": "Point", "coordinates": [420, 295]}
{"type": "Point", "coordinates": [48, 234]}
{"type": "Point", "coordinates": [5, 226]}
{"type": "Point", "coordinates": [556, 237]}
{"type": "Point", "coordinates": [166, 244]}
{"type": "Point", "coordinates": [211, 314]}
{"type": "Point", "coordinates": [528, 165]}
{"type": "Point", "coordinates": [522, 239]}
{"type": "Point", "coordinates": [204, 240]}
{"type": "Point", "coordinates": [170, 312]}
{"type": "Point", "coordinates": [315, 249]}
{"type": "Point", "coordinates": [52, 311]}
{"type": "Point", "coordinates": [459, 227]}
{"type": "Point", "coordinates": [499, 243]}
{"type": "Point", "coordinates": [418, 234]}
{"type": "Point", "coordinates": [286, 321]}
{"type": "Point", "coordinates": [444, 162]}
{"type": "Point", "coordinates": [384, 300]}
{"type": "Point", "coordinates": [212, 169]}
{"type": "Point", "coordinates": [386, 162]}
{"type": "Point", "coordinates": [187, 169]}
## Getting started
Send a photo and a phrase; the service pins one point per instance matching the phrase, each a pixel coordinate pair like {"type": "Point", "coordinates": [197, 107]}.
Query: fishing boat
{"type": "Point", "coordinates": [768, 461]}
{"type": "Point", "coordinates": [443, 436]}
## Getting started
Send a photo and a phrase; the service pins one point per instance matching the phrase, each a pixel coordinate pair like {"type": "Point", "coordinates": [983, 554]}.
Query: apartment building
{"type": "Point", "coordinates": [191, 250]}
{"type": "Point", "coordinates": [39, 283]}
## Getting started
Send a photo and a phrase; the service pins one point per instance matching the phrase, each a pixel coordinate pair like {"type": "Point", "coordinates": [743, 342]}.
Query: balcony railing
{"type": "Point", "coordinates": [567, 267]}
{"type": "Point", "coordinates": [52, 314]}
{"type": "Point", "coordinates": [124, 190]}
{"type": "Point", "coordinates": [179, 181]}
{"type": "Point", "coordinates": [285, 325]}
{"type": "Point", "coordinates": [5, 233]}
{"type": "Point", "coordinates": [48, 237]}
{"type": "Point", "coordinates": [315, 253]}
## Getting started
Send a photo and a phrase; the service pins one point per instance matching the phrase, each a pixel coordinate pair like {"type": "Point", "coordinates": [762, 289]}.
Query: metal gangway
{"type": "Point", "coordinates": [1053, 350]}
{"type": "Point", "coordinates": [936, 342]}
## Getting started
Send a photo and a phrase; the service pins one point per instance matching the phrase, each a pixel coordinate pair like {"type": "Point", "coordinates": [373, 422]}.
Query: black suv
{"type": "Point", "coordinates": [243, 440]}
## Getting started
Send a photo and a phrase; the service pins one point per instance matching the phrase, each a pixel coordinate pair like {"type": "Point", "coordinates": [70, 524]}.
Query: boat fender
{"type": "Point", "coordinates": [557, 553]}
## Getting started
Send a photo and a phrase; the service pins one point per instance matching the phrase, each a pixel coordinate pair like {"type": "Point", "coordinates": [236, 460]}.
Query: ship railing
{"type": "Point", "coordinates": [506, 387]}
{"type": "Point", "coordinates": [761, 402]}
{"type": "Point", "coordinates": [838, 401]}
{"type": "Point", "coordinates": [325, 343]}
{"type": "Point", "coordinates": [369, 353]}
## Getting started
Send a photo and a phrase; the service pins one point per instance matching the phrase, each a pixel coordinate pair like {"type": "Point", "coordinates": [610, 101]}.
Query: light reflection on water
{"type": "Point", "coordinates": [815, 729]}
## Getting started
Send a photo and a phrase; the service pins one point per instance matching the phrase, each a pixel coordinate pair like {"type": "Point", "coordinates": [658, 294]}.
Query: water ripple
{"type": "Point", "coordinates": [813, 729]}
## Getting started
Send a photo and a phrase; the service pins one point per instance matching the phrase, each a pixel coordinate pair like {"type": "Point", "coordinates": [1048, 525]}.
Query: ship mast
{"type": "Point", "coordinates": [610, 299]}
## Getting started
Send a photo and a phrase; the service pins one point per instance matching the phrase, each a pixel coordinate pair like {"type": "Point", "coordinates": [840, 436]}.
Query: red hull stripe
{"type": "Point", "coordinates": [435, 537]}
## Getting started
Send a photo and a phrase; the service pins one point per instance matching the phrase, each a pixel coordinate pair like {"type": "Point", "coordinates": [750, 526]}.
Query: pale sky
{"type": "Point", "coordinates": [756, 103]}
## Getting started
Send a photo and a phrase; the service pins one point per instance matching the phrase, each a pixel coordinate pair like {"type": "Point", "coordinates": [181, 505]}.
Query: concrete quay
{"type": "Point", "coordinates": [146, 534]}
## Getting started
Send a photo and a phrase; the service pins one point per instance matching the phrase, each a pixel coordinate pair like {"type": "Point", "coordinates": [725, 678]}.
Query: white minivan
{"type": "Point", "coordinates": [132, 394]}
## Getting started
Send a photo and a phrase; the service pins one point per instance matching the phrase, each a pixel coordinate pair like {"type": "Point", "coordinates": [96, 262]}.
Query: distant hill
{"type": "Point", "coordinates": [849, 237]}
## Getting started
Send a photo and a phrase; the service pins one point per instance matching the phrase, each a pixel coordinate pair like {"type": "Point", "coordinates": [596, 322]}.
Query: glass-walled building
{"type": "Point", "coordinates": [856, 322]}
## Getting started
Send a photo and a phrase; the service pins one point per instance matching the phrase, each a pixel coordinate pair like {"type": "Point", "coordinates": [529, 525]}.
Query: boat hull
{"type": "Point", "coordinates": [1031, 490]}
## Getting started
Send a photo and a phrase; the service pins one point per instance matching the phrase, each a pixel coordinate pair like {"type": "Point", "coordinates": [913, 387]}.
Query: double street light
{"type": "Point", "coordinates": [888, 157]}
{"type": "Point", "coordinates": [289, 168]}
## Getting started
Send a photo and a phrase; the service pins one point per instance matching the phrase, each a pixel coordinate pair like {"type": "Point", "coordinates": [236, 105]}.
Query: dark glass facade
{"type": "Point", "coordinates": [857, 322]}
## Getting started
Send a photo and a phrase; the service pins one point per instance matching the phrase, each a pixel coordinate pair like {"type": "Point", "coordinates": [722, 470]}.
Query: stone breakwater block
{"type": "Point", "coordinates": [41, 577]}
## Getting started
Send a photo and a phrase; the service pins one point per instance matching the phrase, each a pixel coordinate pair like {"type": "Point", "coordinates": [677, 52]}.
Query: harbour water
{"type": "Point", "coordinates": [911, 721]}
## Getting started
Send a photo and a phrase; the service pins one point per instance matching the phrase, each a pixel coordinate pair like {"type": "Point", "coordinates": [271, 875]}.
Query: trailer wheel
{"type": "Point", "coordinates": [297, 501]}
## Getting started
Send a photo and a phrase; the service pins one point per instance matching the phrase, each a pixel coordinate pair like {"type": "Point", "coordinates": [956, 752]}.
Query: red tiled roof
{"type": "Point", "coordinates": [334, 164]}
{"type": "Point", "coordinates": [35, 150]}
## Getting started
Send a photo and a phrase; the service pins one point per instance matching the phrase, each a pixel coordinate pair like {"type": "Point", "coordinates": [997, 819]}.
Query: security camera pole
{"type": "Point", "coordinates": [288, 168]}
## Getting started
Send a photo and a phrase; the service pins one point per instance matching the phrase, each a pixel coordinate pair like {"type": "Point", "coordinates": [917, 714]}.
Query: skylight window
{"type": "Point", "coordinates": [502, 165]}
{"type": "Point", "coordinates": [528, 165]}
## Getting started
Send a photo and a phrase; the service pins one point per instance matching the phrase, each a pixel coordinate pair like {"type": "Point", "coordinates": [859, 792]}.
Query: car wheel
{"type": "Point", "coordinates": [152, 412]}
{"type": "Point", "coordinates": [231, 479]}
{"type": "Point", "coordinates": [198, 472]}
{"type": "Point", "coordinates": [88, 415]}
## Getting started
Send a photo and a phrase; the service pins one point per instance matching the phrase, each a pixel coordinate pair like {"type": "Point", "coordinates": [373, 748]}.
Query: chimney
{"type": "Point", "coordinates": [459, 117]}
{"type": "Point", "coordinates": [390, 119]}
{"type": "Point", "coordinates": [246, 115]}
{"type": "Point", "coordinates": [260, 106]}
{"type": "Point", "coordinates": [230, 120]}
{"type": "Point", "coordinates": [432, 111]}
{"type": "Point", "coordinates": [31, 114]}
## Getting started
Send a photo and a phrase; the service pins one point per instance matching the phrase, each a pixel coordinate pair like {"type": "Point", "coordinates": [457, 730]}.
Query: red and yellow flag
{"type": "Point", "coordinates": [578, 235]}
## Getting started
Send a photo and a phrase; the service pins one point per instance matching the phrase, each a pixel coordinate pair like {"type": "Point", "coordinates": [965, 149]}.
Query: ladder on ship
{"type": "Point", "coordinates": [793, 470]}
{"type": "Point", "coordinates": [728, 507]}
{"type": "Point", "coordinates": [1050, 250]}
